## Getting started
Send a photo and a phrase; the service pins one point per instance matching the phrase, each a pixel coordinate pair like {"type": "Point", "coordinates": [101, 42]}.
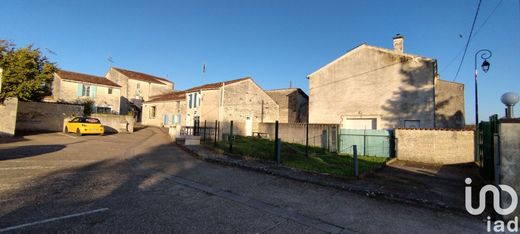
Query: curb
{"type": "Point", "coordinates": [314, 178]}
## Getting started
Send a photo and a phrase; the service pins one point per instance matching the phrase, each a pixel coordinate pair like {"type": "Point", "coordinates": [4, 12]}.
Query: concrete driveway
{"type": "Point", "coordinates": [141, 183]}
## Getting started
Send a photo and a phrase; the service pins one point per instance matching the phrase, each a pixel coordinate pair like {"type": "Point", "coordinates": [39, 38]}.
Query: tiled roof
{"type": "Point", "coordinates": [216, 85]}
{"type": "Point", "coordinates": [181, 95]}
{"type": "Point", "coordinates": [141, 76]}
{"type": "Point", "coordinates": [173, 96]}
{"type": "Point", "coordinates": [68, 75]}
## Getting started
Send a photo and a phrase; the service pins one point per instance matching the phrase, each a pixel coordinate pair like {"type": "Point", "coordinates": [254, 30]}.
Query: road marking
{"type": "Point", "coordinates": [52, 219]}
{"type": "Point", "coordinates": [67, 135]}
{"type": "Point", "coordinates": [25, 168]}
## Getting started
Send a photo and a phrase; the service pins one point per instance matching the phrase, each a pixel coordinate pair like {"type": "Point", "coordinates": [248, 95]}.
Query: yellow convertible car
{"type": "Point", "coordinates": [84, 125]}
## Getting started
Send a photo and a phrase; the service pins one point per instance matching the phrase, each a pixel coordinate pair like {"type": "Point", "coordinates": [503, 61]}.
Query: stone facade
{"type": "Point", "coordinates": [106, 95]}
{"type": "Point", "coordinates": [434, 146]}
{"type": "Point", "coordinates": [8, 111]}
{"type": "Point", "coordinates": [241, 101]}
{"type": "Point", "coordinates": [293, 104]}
{"type": "Point", "coordinates": [172, 110]}
{"type": "Point", "coordinates": [137, 87]}
{"type": "Point", "coordinates": [376, 88]}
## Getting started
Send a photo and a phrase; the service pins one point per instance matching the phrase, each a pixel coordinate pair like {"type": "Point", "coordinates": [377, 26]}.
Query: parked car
{"type": "Point", "coordinates": [84, 125]}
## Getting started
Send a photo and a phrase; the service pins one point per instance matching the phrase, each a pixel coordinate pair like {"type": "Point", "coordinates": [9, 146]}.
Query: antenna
{"type": "Point", "coordinates": [110, 60]}
{"type": "Point", "coordinates": [290, 84]}
{"type": "Point", "coordinates": [203, 71]}
{"type": "Point", "coordinates": [50, 51]}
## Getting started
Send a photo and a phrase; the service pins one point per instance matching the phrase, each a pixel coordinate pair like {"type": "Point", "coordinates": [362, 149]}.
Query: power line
{"type": "Point", "coordinates": [476, 33]}
{"type": "Point", "coordinates": [469, 39]}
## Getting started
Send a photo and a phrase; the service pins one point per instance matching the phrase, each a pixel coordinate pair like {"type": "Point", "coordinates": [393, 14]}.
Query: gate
{"type": "Point", "coordinates": [486, 146]}
{"type": "Point", "coordinates": [378, 143]}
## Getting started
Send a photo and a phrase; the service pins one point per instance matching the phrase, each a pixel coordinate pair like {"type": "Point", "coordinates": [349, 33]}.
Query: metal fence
{"type": "Point", "coordinates": [369, 142]}
{"type": "Point", "coordinates": [206, 132]}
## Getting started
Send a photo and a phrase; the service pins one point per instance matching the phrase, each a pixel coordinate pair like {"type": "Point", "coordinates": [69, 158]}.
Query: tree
{"type": "Point", "coordinates": [26, 73]}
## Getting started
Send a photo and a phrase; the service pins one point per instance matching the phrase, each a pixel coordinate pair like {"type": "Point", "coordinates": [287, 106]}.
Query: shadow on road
{"type": "Point", "coordinates": [28, 151]}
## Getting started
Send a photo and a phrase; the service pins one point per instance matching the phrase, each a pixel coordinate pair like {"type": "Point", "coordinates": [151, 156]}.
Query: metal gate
{"type": "Point", "coordinates": [378, 143]}
{"type": "Point", "coordinates": [486, 146]}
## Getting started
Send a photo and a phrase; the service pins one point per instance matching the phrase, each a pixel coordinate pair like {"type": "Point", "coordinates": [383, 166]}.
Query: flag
{"type": "Point", "coordinates": [204, 68]}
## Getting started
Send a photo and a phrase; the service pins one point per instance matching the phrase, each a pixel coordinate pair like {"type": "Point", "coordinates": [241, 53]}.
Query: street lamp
{"type": "Point", "coordinates": [485, 55]}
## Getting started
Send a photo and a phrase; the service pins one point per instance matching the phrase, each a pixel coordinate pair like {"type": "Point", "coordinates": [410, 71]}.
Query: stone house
{"type": "Point", "coordinates": [71, 87]}
{"type": "Point", "coordinates": [241, 101]}
{"type": "Point", "coordinates": [137, 87]}
{"type": "Point", "coordinates": [376, 88]}
{"type": "Point", "coordinates": [293, 104]}
{"type": "Point", "coordinates": [166, 109]}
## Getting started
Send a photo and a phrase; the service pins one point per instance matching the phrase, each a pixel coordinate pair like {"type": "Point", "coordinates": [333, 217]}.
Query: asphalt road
{"type": "Point", "coordinates": [139, 183]}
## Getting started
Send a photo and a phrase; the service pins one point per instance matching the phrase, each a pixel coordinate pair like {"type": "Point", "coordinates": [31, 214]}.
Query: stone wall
{"type": "Point", "coordinates": [8, 111]}
{"type": "Point", "coordinates": [376, 82]}
{"type": "Point", "coordinates": [44, 116]}
{"type": "Point", "coordinates": [509, 133]}
{"type": "Point", "coordinates": [435, 146]}
{"type": "Point", "coordinates": [320, 135]}
{"type": "Point", "coordinates": [116, 123]}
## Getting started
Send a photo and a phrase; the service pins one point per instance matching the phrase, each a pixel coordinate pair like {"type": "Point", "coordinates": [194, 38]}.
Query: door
{"type": "Point", "coordinates": [249, 126]}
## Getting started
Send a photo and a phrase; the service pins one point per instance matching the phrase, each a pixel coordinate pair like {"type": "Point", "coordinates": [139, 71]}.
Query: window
{"type": "Point", "coordinates": [195, 100]}
{"type": "Point", "coordinates": [178, 105]}
{"type": "Point", "coordinates": [152, 112]}
{"type": "Point", "coordinates": [138, 85]}
{"type": "Point", "coordinates": [412, 123]}
{"type": "Point", "coordinates": [86, 91]}
{"type": "Point", "coordinates": [109, 90]}
{"type": "Point", "coordinates": [190, 100]}
{"type": "Point", "coordinates": [105, 110]}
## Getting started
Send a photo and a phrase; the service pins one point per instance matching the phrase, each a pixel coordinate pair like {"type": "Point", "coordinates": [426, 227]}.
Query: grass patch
{"type": "Point", "coordinates": [293, 155]}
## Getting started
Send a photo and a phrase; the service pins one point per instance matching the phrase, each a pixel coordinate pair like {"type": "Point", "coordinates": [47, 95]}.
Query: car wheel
{"type": "Point", "coordinates": [78, 132]}
{"type": "Point", "coordinates": [66, 130]}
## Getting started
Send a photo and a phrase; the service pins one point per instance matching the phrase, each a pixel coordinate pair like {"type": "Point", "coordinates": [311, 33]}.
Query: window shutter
{"type": "Point", "coordinates": [166, 120]}
{"type": "Point", "coordinates": [79, 91]}
{"type": "Point", "coordinates": [93, 91]}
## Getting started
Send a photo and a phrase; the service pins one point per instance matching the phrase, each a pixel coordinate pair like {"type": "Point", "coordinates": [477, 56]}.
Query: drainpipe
{"type": "Point", "coordinates": [434, 71]}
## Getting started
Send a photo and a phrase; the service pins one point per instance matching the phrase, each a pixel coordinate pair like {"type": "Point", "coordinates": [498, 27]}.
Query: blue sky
{"type": "Point", "coordinates": [273, 41]}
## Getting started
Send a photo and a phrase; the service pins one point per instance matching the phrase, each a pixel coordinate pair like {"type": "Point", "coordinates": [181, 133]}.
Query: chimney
{"type": "Point", "coordinates": [399, 43]}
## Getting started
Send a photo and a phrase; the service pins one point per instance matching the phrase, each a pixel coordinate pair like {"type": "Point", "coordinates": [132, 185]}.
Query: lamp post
{"type": "Point", "coordinates": [485, 54]}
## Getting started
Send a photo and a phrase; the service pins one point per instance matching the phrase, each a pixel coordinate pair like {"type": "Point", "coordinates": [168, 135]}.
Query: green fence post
{"type": "Point", "coordinates": [231, 137]}
{"type": "Point", "coordinates": [276, 144]}
{"type": "Point", "coordinates": [356, 166]}
{"type": "Point", "coordinates": [204, 132]}
{"type": "Point", "coordinates": [215, 133]}
{"type": "Point", "coordinates": [307, 138]}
